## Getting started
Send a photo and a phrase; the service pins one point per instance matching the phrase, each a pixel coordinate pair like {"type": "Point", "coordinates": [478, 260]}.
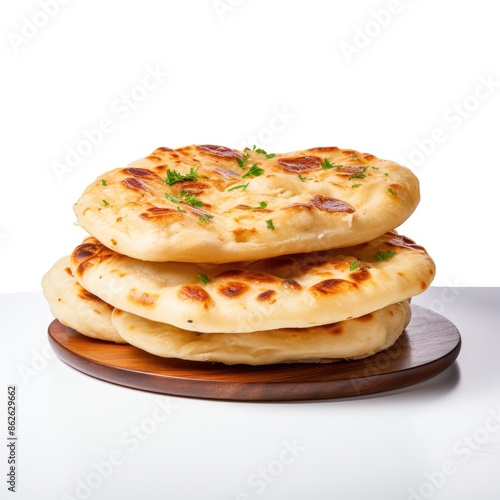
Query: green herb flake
{"type": "Point", "coordinates": [104, 182]}
{"type": "Point", "coordinates": [359, 175]}
{"type": "Point", "coordinates": [191, 199]}
{"type": "Point", "coordinates": [262, 204]}
{"type": "Point", "coordinates": [204, 278]}
{"type": "Point", "coordinates": [355, 185]}
{"type": "Point", "coordinates": [242, 162]}
{"type": "Point", "coordinates": [384, 255]}
{"type": "Point", "coordinates": [326, 165]}
{"type": "Point", "coordinates": [172, 198]}
{"type": "Point", "coordinates": [390, 191]}
{"type": "Point", "coordinates": [254, 171]}
{"type": "Point", "coordinates": [304, 179]}
{"type": "Point", "coordinates": [375, 168]}
{"type": "Point", "coordinates": [181, 210]}
{"type": "Point", "coordinates": [173, 176]}
{"type": "Point", "coordinates": [270, 224]}
{"type": "Point", "coordinates": [105, 203]}
{"type": "Point", "coordinates": [240, 186]}
{"type": "Point", "coordinates": [386, 174]}
{"type": "Point", "coordinates": [353, 265]}
{"type": "Point", "coordinates": [204, 218]}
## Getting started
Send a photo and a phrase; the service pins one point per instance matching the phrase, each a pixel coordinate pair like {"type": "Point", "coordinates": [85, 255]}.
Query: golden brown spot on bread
{"type": "Point", "coordinates": [350, 170]}
{"type": "Point", "coordinates": [164, 148]}
{"type": "Point", "coordinates": [195, 293]}
{"type": "Point", "coordinates": [90, 253]}
{"type": "Point", "coordinates": [334, 329]}
{"type": "Point", "coordinates": [300, 164]}
{"type": "Point", "coordinates": [233, 289]}
{"type": "Point", "coordinates": [139, 172]}
{"type": "Point", "coordinates": [190, 187]}
{"type": "Point", "coordinates": [251, 276]}
{"type": "Point", "coordinates": [143, 299]}
{"type": "Point", "coordinates": [86, 295]}
{"type": "Point", "coordinates": [324, 149]}
{"type": "Point", "coordinates": [133, 183]}
{"type": "Point", "coordinates": [241, 235]}
{"type": "Point", "coordinates": [267, 296]}
{"type": "Point", "coordinates": [423, 285]}
{"type": "Point", "coordinates": [291, 285]}
{"type": "Point", "coordinates": [331, 204]}
{"type": "Point", "coordinates": [226, 174]}
{"type": "Point", "coordinates": [360, 275]}
{"type": "Point", "coordinates": [220, 151]}
{"type": "Point", "coordinates": [366, 317]}
{"type": "Point", "coordinates": [68, 270]}
{"type": "Point", "coordinates": [332, 286]}
{"type": "Point", "coordinates": [404, 242]}
{"type": "Point", "coordinates": [157, 212]}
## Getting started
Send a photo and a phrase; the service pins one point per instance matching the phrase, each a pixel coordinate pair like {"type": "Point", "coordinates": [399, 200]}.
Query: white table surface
{"type": "Point", "coordinates": [79, 437]}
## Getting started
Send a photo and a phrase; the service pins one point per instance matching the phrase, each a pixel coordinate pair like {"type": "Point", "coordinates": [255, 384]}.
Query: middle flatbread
{"type": "Point", "coordinates": [294, 291]}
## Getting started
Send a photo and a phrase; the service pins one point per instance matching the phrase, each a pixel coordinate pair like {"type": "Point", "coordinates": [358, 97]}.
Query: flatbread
{"type": "Point", "coordinates": [294, 291]}
{"type": "Point", "coordinates": [356, 338]}
{"type": "Point", "coordinates": [75, 307]}
{"type": "Point", "coordinates": [225, 205]}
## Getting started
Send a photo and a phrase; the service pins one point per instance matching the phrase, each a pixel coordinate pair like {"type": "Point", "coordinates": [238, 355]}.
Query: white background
{"type": "Point", "coordinates": [386, 77]}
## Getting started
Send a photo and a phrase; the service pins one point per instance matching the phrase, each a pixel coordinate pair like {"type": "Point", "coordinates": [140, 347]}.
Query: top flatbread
{"type": "Point", "coordinates": [294, 291]}
{"type": "Point", "coordinates": [215, 204]}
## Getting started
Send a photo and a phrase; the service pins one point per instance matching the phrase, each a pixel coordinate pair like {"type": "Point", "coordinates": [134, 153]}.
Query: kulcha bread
{"type": "Point", "coordinates": [75, 307]}
{"type": "Point", "coordinates": [352, 339]}
{"type": "Point", "coordinates": [205, 203]}
{"type": "Point", "coordinates": [292, 291]}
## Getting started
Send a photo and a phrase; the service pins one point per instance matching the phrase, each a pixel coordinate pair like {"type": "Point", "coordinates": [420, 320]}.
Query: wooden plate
{"type": "Point", "coordinates": [429, 345]}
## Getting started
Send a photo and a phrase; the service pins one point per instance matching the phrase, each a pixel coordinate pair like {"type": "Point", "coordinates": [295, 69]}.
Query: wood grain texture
{"type": "Point", "coordinates": [430, 344]}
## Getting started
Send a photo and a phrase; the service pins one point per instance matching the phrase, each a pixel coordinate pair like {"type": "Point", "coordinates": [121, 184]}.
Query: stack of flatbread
{"type": "Point", "coordinates": [206, 253]}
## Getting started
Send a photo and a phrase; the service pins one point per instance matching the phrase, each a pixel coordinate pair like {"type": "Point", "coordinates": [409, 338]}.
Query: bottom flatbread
{"type": "Point", "coordinates": [351, 339]}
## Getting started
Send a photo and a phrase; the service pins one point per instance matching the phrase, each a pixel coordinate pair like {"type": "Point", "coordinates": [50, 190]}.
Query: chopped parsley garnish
{"type": "Point", "coordinates": [240, 186]}
{"type": "Point", "coordinates": [359, 175]}
{"type": "Point", "coordinates": [262, 152]}
{"type": "Point", "coordinates": [190, 199]}
{"type": "Point", "coordinates": [270, 224]}
{"type": "Point", "coordinates": [104, 182]}
{"type": "Point", "coordinates": [353, 266]}
{"type": "Point", "coordinates": [254, 171]}
{"type": "Point", "coordinates": [262, 204]}
{"type": "Point", "coordinates": [105, 203]}
{"type": "Point", "coordinates": [179, 209]}
{"type": "Point", "coordinates": [384, 255]}
{"type": "Point", "coordinates": [386, 174]}
{"type": "Point", "coordinates": [375, 168]}
{"type": "Point", "coordinates": [325, 164]}
{"type": "Point", "coordinates": [304, 179]}
{"type": "Point", "coordinates": [173, 176]}
{"type": "Point", "coordinates": [390, 191]}
{"type": "Point", "coordinates": [204, 278]}
{"type": "Point", "coordinates": [242, 162]}
{"type": "Point", "coordinates": [204, 218]}
{"type": "Point", "coordinates": [172, 198]}
{"type": "Point", "coordinates": [355, 185]}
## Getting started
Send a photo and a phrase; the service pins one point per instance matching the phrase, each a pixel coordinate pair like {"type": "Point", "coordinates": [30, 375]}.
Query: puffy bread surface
{"type": "Point", "coordinates": [75, 307]}
{"type": "Point", "coordinates": [356, 338]}
{"type": "Point", "coordinates": [222, 205]}
{"type": "Point", "coordinates": [293, 291]}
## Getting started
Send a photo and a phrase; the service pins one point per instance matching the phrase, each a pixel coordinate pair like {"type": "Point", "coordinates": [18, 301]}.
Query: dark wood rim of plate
{"type": "Point", "coordinates": [429, 345]}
